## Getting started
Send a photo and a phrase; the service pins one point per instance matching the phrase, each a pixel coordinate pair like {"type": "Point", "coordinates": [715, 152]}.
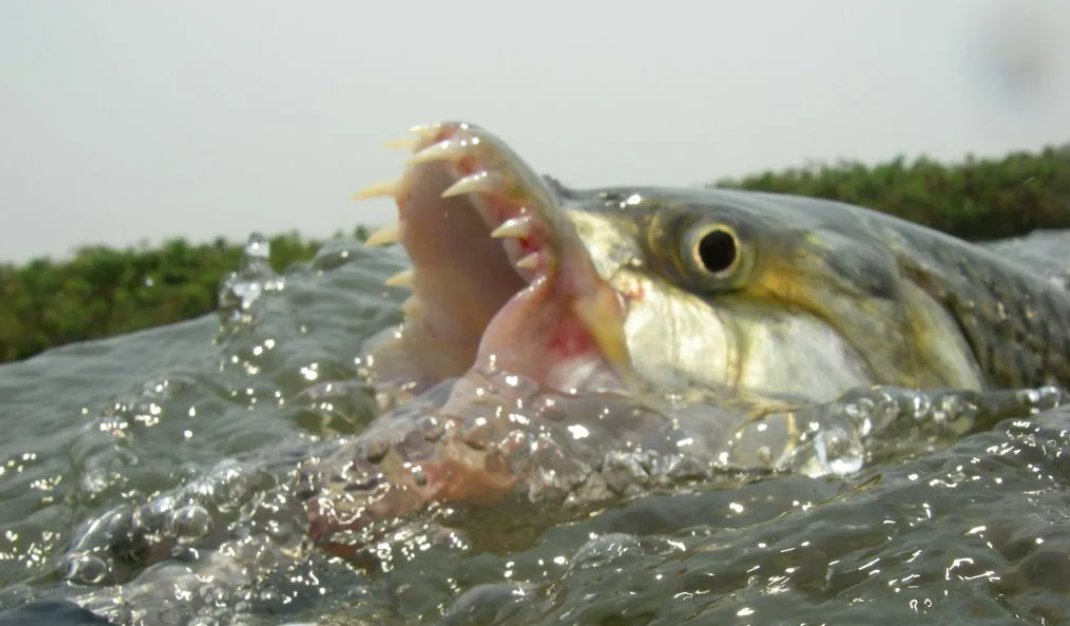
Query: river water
{"type": "Point", "coordinates": [153, 478]}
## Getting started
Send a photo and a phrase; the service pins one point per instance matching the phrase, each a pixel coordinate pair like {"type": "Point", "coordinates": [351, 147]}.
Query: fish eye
{"type": "Point", "coordinates": [717, 250]}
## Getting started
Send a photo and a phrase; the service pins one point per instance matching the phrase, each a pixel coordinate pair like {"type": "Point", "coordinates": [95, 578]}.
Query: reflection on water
{"type": "Point", "coordinates": [167, 476]}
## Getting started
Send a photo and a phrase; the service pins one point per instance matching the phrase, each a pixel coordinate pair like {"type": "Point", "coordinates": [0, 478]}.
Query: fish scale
{"type": "Point", "coordinates": [1018, 325]}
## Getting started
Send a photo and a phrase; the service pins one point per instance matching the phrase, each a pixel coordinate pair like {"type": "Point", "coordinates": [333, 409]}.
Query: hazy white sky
{"type": "Point", "coordinates": [137, 120]}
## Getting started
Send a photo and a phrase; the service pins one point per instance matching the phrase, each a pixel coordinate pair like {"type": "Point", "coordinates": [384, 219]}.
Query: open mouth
{"type": "Point", "coordinates": [500, 278]}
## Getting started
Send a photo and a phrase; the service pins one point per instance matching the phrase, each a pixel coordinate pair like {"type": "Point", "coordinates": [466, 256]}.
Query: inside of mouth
{"type": "Point", "coordinates": [473, 305]}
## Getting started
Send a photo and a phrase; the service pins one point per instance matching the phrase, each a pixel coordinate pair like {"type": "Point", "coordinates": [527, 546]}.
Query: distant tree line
{"type": "Point", "coordinates": [103, 291]}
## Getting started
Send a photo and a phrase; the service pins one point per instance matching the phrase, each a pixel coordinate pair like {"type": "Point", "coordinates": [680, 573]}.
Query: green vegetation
{"type": "Point", "coordinates": [975, 200]}
{"type": "Point", "coordinates": [104, 292]}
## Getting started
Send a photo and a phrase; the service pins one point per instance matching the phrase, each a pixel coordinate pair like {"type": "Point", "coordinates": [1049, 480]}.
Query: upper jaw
{"type": "Point", "coordinates": [501, 279]}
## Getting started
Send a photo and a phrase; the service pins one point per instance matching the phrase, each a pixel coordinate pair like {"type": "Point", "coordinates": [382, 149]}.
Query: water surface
{"type": "Point", "coordinates": [153, 478]}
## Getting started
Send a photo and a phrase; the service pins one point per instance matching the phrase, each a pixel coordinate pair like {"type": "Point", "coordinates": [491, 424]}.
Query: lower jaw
{"type": "Point", "coordinates": [537, 335]}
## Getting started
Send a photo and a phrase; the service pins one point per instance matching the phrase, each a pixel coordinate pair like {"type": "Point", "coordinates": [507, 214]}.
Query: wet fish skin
{"type": "Point", "coordinates": [1017, 323]}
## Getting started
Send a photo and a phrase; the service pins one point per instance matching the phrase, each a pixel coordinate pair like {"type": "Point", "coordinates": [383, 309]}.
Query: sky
{"type": "Point", "coordinates": [128, 121]}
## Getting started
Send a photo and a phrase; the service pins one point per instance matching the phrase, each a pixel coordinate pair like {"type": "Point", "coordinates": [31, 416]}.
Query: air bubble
{"type": "Point", "coordinates": [88, 569]}
{"type": "Point", "coordinates": [190, 523]}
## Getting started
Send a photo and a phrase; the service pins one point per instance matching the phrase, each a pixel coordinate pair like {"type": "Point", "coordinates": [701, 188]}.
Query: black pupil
{"type": "Point", "coordinates": [717, 250]}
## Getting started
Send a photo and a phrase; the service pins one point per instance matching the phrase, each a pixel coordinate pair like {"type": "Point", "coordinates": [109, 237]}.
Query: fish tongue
{"type": "Point", "coordinates": [538, 335]}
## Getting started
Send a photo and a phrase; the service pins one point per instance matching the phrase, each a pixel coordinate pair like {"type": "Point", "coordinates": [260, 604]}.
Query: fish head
{"type": "Point", "coordinates": [663, 290]}
{"type": "Point", "coordinates": [750, 294]}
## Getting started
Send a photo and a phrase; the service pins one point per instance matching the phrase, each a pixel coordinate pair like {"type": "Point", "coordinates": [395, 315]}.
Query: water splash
{"type": "Point", "coordinates": [211, 526]}
{"type": "Point", "coordinates": [240, 290]}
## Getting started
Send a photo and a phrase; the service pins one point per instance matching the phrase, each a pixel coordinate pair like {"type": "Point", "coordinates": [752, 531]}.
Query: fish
{"type": "Point", "coordinates": [746, 292]}
{"type": "Point", "coordinates": [759, 301]}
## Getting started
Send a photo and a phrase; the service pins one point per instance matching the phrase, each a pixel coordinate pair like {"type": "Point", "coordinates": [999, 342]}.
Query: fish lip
{"type": "Point", "coordinates": [537, 282]}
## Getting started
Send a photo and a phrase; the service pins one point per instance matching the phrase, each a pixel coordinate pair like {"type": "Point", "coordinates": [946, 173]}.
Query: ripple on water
{"type": "Point", "coordinates": [161, 477]}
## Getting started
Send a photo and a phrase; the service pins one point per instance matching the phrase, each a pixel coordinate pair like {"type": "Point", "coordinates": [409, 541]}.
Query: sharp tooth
{"type": "Point", "coordinates": [529, 262]}
{"type": "Point", "coordinates": [386, 235]}
{"type": "Point", "coordinates": [401, 144]}
{"type": "Point", "coordinates": [513, 227]}
{"type": "Point", "coordinates": [481, 182]}
{"type": "Point", "coordinates": [384, 189]}
{"type": "Point", "coordinates": [427, 132]}
{"type": "Point", "coordinates": [412, 306]}
{"type": "Point", "coordinates": [601, 313]}
{"type": "Point", "coordinates": [440, 151]}
{"type": "Point", "coordinates": [401, 279]}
